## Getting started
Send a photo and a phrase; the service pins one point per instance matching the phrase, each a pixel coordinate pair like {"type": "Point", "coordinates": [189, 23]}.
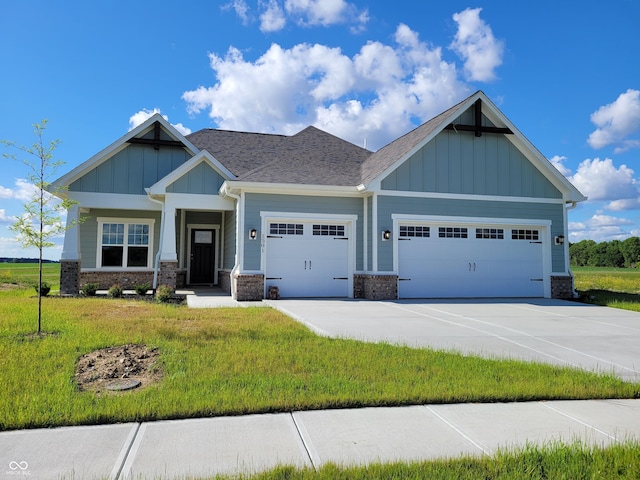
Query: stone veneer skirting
{"type": "Point", "coordinates": [69, 277]}
{"type": "Point", "coordinates": [375, 287]}
{"type": "Point", "coordinates": [106, 280]}
{"type": "Point", "coordinates": [249, 287]}
{"type": "Point", "coordinates": [562, 287]}
{"type": "Point", "coordinates": [224, 280]}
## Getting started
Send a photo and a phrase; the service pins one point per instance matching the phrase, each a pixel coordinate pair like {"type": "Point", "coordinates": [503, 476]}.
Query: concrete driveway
{"type": "Point", "coordinates": [559, 332]}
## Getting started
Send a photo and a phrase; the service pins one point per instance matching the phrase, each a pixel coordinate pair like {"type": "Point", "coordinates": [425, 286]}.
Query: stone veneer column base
{"type": "Point", "coordinates": [249, 287]}
{"type": "Point", "coordinates": [562, 287]}
{"type": "Point", "coordinates": [224, 280]}
{"type": "Point", "coordinates": [375, 287]}
{"type": "Point", "coordinates": [167, 274]}
{"type": "Point", "coordinates": [69, 277]}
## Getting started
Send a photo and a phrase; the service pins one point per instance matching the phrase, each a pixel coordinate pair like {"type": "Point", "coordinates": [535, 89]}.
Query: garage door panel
{"type": "Point", "coordinates": [487, 263]}
{"type": "Point", "coordinates": [308, 264]}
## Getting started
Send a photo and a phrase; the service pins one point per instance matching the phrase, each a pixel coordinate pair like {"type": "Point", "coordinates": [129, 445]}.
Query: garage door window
{"type": "Point", "coordinates": [329, 230]}
{"type": "Point", "coordinates": [525, 234]}
{"type": "Point", "coordinates": [286, 229]}
{"type": "Point", "coordinates": [490, 233]}
{"type": "Point", "coordinates": [452, 232]}
{"type": "Point", "coordinates": [414, 231]}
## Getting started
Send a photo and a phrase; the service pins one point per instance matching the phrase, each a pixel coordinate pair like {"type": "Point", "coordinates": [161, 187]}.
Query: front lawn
{"type": "Point", "coordinates": [237, 361]}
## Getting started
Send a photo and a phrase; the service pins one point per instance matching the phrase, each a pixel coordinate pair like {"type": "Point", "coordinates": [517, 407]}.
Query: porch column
{"type": "Point", "coordinates": [168, 235]}
{"type": "Point", "coordinates": [168, 263]}
{"type": "Point", "coordinates": [71, 246]}
{"type": "Point", "coordinates": [70, 260]}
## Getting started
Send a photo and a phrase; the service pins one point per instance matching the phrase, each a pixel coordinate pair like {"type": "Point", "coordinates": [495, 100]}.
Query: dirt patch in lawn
{"type": "Point", "coordinates": [118, 368]}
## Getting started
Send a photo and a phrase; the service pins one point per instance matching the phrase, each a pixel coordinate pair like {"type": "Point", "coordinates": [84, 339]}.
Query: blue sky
{"type": "Point", "coordinates": [568, 77]}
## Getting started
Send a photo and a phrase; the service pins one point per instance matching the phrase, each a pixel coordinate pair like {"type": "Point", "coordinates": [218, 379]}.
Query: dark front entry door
{"type": "Point", "coordinates": [202, 256]}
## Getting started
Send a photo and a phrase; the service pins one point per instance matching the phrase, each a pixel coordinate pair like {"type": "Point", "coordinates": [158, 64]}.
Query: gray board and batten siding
{"type": "Point", "coordinates": [200, 180]}
{"type": "Point", "coordinates": [460, 163]}
{"type": "Point", "coordinates": [329, 206]}
{"type": "Point", "coordinates": [131, 170]}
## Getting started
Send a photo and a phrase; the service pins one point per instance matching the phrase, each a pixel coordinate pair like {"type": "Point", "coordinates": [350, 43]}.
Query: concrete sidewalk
{"type": "Point", "coordinates": [253, 443]}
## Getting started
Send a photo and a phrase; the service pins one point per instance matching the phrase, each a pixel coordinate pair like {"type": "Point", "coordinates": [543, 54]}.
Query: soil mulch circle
{"type": "Point", "coordinates": [121, 368]}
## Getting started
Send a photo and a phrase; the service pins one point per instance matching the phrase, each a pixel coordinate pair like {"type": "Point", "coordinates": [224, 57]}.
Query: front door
{"type": "Point", "coordinates": [202, 260]}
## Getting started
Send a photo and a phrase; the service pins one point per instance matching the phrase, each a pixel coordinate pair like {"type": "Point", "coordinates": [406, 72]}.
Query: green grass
{"type": "Point", "coordinates": [612, 287]}
{"type": "Point", "coordinates": [554, 461]}
{"type": "Point", "coordinates": [26, 274]}
{"type": "Point", "coordinates": [238, 361]}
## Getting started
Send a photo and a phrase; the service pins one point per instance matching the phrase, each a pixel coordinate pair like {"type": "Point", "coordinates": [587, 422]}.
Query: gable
{"type": "Point", "coordinates": [461, 163]}
{"type": "Point", "coordinates": [496, 159]}
{"type": "Point", "coordinates": [201, 179]}
{"type": "Point", "coordinates": [131, 170]}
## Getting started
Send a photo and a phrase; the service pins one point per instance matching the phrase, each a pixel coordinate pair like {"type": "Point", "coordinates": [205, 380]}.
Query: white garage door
{"type": "Point", "coordinates": [446, 261]}
{"type": "Point", "coordinates": [308, 259]}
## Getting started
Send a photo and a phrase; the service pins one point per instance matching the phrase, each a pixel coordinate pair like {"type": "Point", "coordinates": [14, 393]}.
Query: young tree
{"type": "Point", "coordinates": [41, 219]}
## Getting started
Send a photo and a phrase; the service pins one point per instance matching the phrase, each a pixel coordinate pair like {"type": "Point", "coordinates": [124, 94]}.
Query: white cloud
{"type": "Point", "coordinates": [11, 248]}
{"type": "Point", "coordinates": [144, 114]}
{"type": "Point", "coordinates": [475, 44]}
{"type": "Point", "coordinates": [616, 121]}
{"type": "Point", "coordinates": [273, 18]}
{"type": "Point", "coordinates": [601, 180]}
{"type": "Point", "coordinates": [240, 7]}
{"type": "Point", "coordinates": [325, 12]}
{"type": "Point", "coordinates": [601, 228]}
{"type": "Point", "coordinates": [558, 162]}
{"type": "Point", "coordinates": [274, 14]}
{"type": "Point", "coordinates": [375, 94]}
{"type": "Point", "coordinates": [4, 218]}
{"type": "Point", "coordinates": [24, 191]}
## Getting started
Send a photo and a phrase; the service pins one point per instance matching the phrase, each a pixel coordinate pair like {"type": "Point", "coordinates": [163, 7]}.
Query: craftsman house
{"type": "Point", "coordinates": [462, 206]}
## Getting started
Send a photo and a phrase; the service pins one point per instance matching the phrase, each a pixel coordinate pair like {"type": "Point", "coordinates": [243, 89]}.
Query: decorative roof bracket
{"type": "Point", "coordinates": [477, 127]}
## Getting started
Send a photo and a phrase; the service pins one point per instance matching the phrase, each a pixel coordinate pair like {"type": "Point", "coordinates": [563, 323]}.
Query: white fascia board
{"type": "Point", "coordinates": [290, 189]}
{"type": "Point", "coordinates": [119, 145]}
{"type": "Point", "coordinates": [198, 202]}
{"type": "Point", "coordinates": [460, 196]}
{"type": "Point", "coordinates": [113, 201]}
{"type": "Point", "coordinates": [161, 185]}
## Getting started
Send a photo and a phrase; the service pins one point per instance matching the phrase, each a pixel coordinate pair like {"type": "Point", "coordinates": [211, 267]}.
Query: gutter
{"type": "Point", "coordinates": [571, 206]}
{"type": "Point", "coordinates": [224, 190]}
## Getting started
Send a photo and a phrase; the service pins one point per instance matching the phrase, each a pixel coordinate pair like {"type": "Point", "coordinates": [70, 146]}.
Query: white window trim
{"type": "Point", "coordinates": [126, 221]}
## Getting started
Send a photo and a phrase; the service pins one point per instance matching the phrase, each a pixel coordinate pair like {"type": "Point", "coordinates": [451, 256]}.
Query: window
{"type": "Point", "coordinates": [285, 229]}
{"type": "Point", "coordinates": [124, 244]}
{"type": "Point", "coordinates": [414, 231]}
{"type": "Point", "coordinates": [452, 232]}
{"type": "Point", "coordinates": [493, 233]}
{"type": "Point", "coordinates": [524, 234]}
{"type": "Point", "coordinates": [329, 230]}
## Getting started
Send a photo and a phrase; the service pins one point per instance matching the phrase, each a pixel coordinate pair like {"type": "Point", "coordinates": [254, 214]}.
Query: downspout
{"type": "Point", "coordinates": [156, 265]}
{"type": "Point", "coordinates": [571, 206]}
{"type": "Point", "coordinates": [236, 265]}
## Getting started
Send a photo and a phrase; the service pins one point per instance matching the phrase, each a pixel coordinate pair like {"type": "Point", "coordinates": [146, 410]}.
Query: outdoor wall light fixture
{"type": "Point", "coordinates": [559, 240]}
{"type": "Point", "coordinates": [386, 235]}
{"type": "Point", "coordinates": [253, 234]}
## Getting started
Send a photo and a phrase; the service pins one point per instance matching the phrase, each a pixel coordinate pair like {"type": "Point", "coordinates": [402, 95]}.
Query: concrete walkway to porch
{"type": "Point", "coordinates": [212, 297]}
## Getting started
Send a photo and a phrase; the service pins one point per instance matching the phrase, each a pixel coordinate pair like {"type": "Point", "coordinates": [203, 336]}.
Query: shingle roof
{"type": "Point", "coordinates": [240, 152]}
{"type": "Point", "coordinates": [311, 156]}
